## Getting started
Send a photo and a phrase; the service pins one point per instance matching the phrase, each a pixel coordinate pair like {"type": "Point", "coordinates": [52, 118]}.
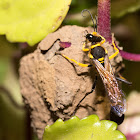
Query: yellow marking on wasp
{"type": "Point", "coordinates": [115, 48]}
{"type": "Point", "coordinates": [85, 49]}
{"type": "Point", "coordinates": [90, 55]}
{"type": "Point", "coordinates": [73, 60]}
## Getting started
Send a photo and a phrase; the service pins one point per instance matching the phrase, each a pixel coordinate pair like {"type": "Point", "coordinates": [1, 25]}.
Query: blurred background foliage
{"type": "Point", "coordinates": [125, 23]}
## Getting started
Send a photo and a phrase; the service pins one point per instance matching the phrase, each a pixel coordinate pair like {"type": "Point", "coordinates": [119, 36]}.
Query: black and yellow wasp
{"type": "Point", "coordinates": [99, 57]}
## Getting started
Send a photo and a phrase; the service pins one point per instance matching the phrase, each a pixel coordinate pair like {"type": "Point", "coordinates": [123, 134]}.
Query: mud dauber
{"type": "Point", "coordinates": [100, 59]}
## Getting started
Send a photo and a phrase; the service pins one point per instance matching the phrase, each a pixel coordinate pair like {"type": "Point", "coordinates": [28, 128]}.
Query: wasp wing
{"type": "Point", "coordinates": [115, 94]}
{"type": "Point", "coordinates": [107, 65]}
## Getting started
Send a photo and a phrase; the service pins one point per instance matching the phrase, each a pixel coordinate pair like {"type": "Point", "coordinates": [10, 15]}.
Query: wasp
{"type": "Point", "coordinates": [98, 54]}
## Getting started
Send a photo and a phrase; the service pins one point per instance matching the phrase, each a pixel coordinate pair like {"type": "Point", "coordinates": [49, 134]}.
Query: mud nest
{"type": "Point", "coordinates": [52, 86]}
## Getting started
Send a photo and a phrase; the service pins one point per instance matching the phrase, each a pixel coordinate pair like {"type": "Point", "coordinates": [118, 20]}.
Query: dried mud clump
{"type": "Point", "coordinates": [52, 86]}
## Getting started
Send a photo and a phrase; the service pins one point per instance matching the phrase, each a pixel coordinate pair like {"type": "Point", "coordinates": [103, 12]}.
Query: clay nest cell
{"type": "Point", "coordinates": [52, 86]}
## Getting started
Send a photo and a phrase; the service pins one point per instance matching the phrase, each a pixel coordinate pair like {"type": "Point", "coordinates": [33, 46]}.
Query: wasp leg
{"type": "Point", "coordinates": [116, 49]}
{"type": "Point", "coordinates": [73, 60]}
{"type": "Point", "coordinates": [93, 88]}
{"type": "Point", "coordinates": [122, 79]}
{"type": "Point", "coordinates": [103, 39]}
{"type": "Point", "coordinates": [84, 49]}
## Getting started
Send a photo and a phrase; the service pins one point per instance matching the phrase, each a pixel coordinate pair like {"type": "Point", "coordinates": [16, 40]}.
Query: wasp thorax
{"type": "Point", "coordinates": [98, 52]}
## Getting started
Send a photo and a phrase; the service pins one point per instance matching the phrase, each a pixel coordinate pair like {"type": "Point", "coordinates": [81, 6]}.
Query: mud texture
{"type": "Point", "coordinates": [52, 86]}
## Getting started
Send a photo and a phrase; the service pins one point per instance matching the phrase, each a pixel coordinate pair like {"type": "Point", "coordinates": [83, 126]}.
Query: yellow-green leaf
{"type": "Point", "coordinates": [31, 20]}
{"type": "Point", "coordinates": [89, 128]}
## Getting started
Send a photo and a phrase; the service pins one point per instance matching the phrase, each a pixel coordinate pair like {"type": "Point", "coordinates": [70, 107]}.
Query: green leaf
{"type": "Point", "coordinates": [31, 20]}
{"type": "Point", "coordinates": [89, 128]}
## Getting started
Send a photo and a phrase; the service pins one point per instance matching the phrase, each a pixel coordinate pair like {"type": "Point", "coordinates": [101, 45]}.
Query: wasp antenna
{"type": "Point", "coordinates": [90, 16]}
{"type": "Point", "coordinates": [96, 22]}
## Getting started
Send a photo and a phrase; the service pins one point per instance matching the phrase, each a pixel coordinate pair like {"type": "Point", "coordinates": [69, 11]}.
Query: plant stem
{"type": "Point", "coordinates": [104, 24]}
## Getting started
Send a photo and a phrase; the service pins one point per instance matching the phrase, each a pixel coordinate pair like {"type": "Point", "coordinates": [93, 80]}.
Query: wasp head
{"type": "Point", "coordinates": [93, 39]}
